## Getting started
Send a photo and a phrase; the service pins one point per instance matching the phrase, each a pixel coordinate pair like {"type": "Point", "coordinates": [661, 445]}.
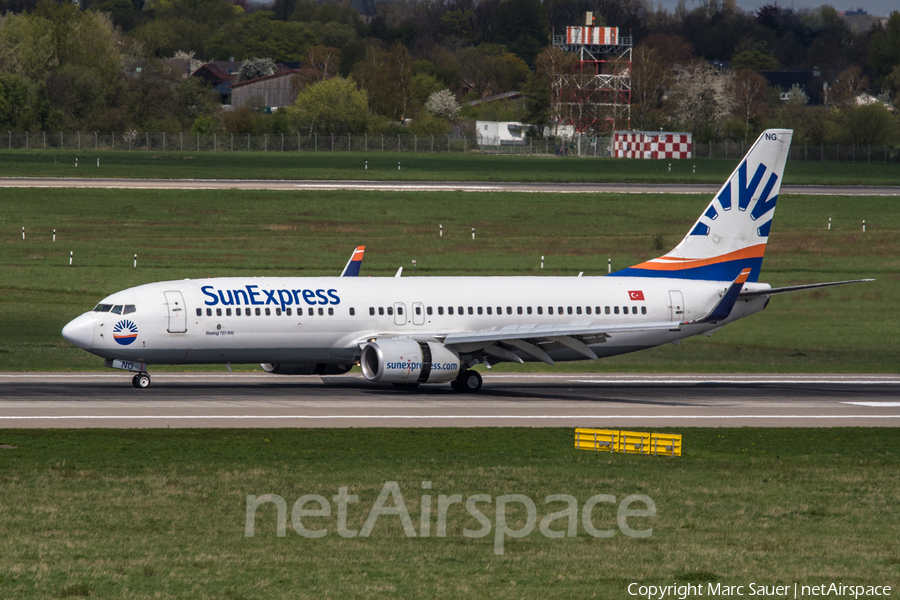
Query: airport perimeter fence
{"type": "Point", "coordinates": [226, 142]}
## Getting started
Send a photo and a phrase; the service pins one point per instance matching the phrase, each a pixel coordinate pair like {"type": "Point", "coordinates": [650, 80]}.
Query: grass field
{"type": "Point", "coordinates": [162, 514]}
{"type": "Point", "coordinates": [417, 167]}
{"type": "Point", "coordinates": [201, 234]}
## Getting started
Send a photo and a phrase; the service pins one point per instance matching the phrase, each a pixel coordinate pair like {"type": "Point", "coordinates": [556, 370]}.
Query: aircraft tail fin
{"type": "Point", "coordinates": [732, 232]}
{"type": "Point", "coordinates": [352, 268]}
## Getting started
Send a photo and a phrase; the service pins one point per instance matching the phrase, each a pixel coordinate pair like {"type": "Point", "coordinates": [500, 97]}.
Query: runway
{"type": "Point", "coordinates": [425, 186]}
{"type": "Point", "coordinates": [31, 400]}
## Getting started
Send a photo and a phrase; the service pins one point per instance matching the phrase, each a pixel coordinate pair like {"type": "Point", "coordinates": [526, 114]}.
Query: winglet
{"type": "Point", "coordinates": [352, 268]}
{"type": "Point", "coordinates": [723, 308]}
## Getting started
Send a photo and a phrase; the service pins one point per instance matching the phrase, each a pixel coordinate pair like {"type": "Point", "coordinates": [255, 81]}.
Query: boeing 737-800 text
{"type": "Point", "coordinates": [417, 330]}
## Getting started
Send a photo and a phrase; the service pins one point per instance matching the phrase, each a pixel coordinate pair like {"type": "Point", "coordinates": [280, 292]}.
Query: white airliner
{"type": "Point", "coordinates": [410, 331]}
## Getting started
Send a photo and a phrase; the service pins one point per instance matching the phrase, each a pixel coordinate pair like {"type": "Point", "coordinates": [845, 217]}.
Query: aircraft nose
{"type": "Point", "coordinates": [80, 331]}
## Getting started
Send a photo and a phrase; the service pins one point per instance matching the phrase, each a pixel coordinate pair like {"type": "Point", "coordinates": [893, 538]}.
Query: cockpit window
{"type": "Point", "coordinates": [117, 309]}
{"type": "Point", "coordinates": [103, 307]}
{"type": "Point", "coordinates": [129, 308]}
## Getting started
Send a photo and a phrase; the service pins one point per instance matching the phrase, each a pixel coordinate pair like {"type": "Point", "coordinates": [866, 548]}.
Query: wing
{"type": "Point", "coordinates": [530, 338]}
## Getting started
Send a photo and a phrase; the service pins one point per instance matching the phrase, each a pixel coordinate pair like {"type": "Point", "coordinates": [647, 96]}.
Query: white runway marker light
{"type": "Point", "coordinates": [695, 169]}
{"type": "Point", "coordinates": [23, 233]}
{"type": "Point", "coordinates": [71, 254]}
{"type": "Point", "coordinates": [609, 265]}
{"type": "Point", "coordinates": [440, 231]}
{"type": "Point", "coordinates": [864, 225]}
{"type": "Point", "coordinates": [829, 223]}
{"type": "Point", "coordinates": [542, 262]}
{"type": "Point", "coordinates": [76, 162]}
{"type": "Point", "coordinates": [367, 165]}
{"type": "Point", "coordinates": [473, 233]}
{"type": "Point", "coordinates": [54, 235]}
{"type": "Point", "coordinates": [135, 261]}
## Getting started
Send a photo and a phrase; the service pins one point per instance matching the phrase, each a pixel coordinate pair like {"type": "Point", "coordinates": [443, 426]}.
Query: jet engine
{"type": "Point", "coordinates": [305, 368]}
{"type": "Point", "coordinates": [409, 361]}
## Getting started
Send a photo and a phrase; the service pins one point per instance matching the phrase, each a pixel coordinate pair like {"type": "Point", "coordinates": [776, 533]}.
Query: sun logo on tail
{"type": "Point", "coordinates": [125, 332]}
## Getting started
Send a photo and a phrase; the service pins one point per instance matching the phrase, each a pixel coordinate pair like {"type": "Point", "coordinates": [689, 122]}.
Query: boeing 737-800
{"type": "Point", "coordinates": [410, 331]}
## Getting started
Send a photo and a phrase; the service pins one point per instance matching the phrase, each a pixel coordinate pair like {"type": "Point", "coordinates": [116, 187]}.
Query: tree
{"type": "Point", "coordinates": [331, 106]}
{"type": "Point", "coordinates": [847, 87]}
{"type": "Point", "coordinates": [884, 49]}
{"type": "Point", "coordinates": [386, 76]}
{"type": "Point", "coordinates": [868, 125]}
{"type": "Point", "coordinates": [443, 104]}
{"type": "Point", "coordinates": [253, 68]}
{"type": "Point", "coordinates": [491, 69]}
{"type": "Point", "coordinates": [521, 26]}
{"type": "Point", "coordinates": [748, 91]}
{"type": "Point", "coordinates": [754, 60]}
{"type": "Point", "coordinates": [701, 99]}
{"type": "Point", "coordinates": [651, 79]}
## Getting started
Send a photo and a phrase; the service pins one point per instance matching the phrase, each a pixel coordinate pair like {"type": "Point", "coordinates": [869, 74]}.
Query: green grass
{"type": "Point", "coordinates": [416, 167]}
{"type": "Point", "coordinates": [161, 513]}
{"type": "Point", "coordinates": [199, 234]}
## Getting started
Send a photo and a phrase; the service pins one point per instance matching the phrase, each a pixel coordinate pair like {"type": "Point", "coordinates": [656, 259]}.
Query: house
{"type": "Point", "coordinates": [274, 91]}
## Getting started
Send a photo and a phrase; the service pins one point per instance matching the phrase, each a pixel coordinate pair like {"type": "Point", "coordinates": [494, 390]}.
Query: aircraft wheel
{"type": "Point", "coordinates": [470, 382]}
{"type": "Point", "coordinates": [142, 381]}
{"type": "Point", "coordinates": [134, 381]}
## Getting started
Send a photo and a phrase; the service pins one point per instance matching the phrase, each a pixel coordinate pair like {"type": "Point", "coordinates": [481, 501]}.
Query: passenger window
{"type": "Point", "coordinates": [117, 309]}
{"type": "Point", "coordinates": [352, 311]}
{"type": "Point", "coordinates": [480, 310]}
{"type": "Point", "coordinates": [129, 308]}
{"type": "Point", "coordinates": [634, 310]}
{"type": "Point", "coordinates": [418, 310]}
{"type": "Point", "coordinates": [268, 312]}
{"type": "Point", "coordinates": [519, 310]}
{"type": "Point", "coordinates": [509, 310]}
{"type": "Point", "coordinates": [257, 312]}
{"type": "Point", "coordinates": [246, 312]}
{"type": "Point", "coordinates": [371, 311]}
{"type": "Point", "coordinates": [390, 310]}
{"type": "Point", "coordinates": [277, 312]}
{"type": "Point", "coordinates": [449, 310]}
{"type": "Point", "coordinates": [440, 310]}
{"type": "Point", "coordinates": [311, 312]}
{"type": "Point", "coordinates": [624, 310]}
{"type": "Point", "coordinates": [460, 310]}
{"type": "Point", "coordinates": [577, 310]}
{"type": "Point", "coordinates": [643, 310]}
{"type": "Point", "coordinates": [598, 310]}
{"type": "Point", "coordinates": [321, 312]}
{"type": "Point", "coordinates": [471, 311]}
{"type": "Point", "coordinates": [208, 312]}
{"type": "Point", "coordinates": [428, 311]}
{"type": "Point", "coordinates": [399, 310]}
{"type": "Point", "coordinates": [288, 311]}
{"type": "Point", "coordinates": [330, 311]}
{"type": "Point", "coordinates": [237, 311]}
{"type": "Point", "coordinates": [200, 312]}
{"type": "Point", "coordinates": [559, 310]}
{"type": "Point", "coordinates": [528, 310]}
{"type": "Point", "coordinates": [381, 310]}
{"type": "Point", "coordinates": [607, 310]}
{"type": "Point", "coordinates": [227, 312]}
{"type": "Point", "coordinates": [615, 309]}
{"type": "Point", "coordinates": [569, 310]}
{"type": "Point", "coordinates": [540, 310]}
{"type": "Point", "coordinates": [499, 310]}
{"type": "Point", "coordinates": [587, 309]}
{"type": "Point", "coordinates": [549, 310]}
{"type": "Point", "coordinates": [489, 310]}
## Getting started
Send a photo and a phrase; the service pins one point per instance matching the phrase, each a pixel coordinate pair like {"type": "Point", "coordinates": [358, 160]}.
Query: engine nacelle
{"type": "Point", "coordinates": [305, 368]}
{"type": "Point", "coordinates": [409, 361]}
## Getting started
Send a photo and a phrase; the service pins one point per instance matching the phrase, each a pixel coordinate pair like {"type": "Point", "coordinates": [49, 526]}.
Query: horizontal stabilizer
{"type": "Point", "coordinates": [798, 288]}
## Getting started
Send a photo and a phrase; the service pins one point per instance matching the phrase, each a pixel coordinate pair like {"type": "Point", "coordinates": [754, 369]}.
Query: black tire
{"type": "Point", "coordinates": [134, 381]}
{"type": "Point", "coordinates": [456, 386]}
{"type": "Point", "coordinates": [142, 381]}
{"type": "Point", "coordinates": [470, 382]}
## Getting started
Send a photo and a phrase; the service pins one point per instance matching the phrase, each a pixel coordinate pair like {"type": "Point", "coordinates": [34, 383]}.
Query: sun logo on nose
{"type": "Point", "coordinates": [125, 332]}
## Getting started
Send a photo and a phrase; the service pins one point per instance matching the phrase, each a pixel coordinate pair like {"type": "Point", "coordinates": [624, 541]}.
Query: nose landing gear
{"type": "Point", "coordinates": [141, 381]}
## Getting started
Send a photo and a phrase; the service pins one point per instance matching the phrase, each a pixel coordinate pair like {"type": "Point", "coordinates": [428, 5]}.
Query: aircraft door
{"type": "Point", "coordinates": [418, 313]}
{"type": "Point", "coordinates": [676, 306]}
{"type": "Point", "coordinates": [177, 313]}
{"type": "Point", "coordinates": [399, 313]}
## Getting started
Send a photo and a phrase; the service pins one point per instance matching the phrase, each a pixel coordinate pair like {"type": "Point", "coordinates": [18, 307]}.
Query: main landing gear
{"type": "Point", "coordinates": [467, 382]}
{"type": "Point", "coordinates": [141, 381]}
